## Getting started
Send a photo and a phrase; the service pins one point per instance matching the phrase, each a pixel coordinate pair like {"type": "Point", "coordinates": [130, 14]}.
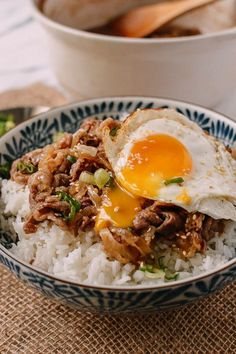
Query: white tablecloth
{"type": "Point", "coordinates": [23, 55]}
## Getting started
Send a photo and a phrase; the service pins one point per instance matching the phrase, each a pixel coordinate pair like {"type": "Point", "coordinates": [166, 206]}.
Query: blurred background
{"type": "Point", "coordinates": [26, 48]}
{"type": "Point", "coordinates": [24, 58]}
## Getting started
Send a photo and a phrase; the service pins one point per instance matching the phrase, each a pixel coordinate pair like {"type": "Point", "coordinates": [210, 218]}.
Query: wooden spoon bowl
{"type": "Point", "coordinates": [144, 20]}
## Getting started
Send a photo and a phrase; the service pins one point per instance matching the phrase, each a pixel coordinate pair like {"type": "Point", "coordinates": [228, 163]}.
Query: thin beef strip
{"type": "Point", "coordinates": [33, 158]}
{"type": "Point", "coordinates": [87, 134]}
{"type": "Point", "coordinates": [55, 173]}
{"type": "Point", "coordinates": [211, 227]}
{"type": "Point", "coordinates": [187, 232]}
{"type": "Point", "coordinates": [166, 218]}
{"type": "Point", "coordinates": [123, 245]}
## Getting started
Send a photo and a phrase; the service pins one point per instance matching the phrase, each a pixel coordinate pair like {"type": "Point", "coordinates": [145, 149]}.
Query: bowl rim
{"type": "Point", "coordinates": [152, 287]}
{"type": "Point", "coordinates": [124, 40]}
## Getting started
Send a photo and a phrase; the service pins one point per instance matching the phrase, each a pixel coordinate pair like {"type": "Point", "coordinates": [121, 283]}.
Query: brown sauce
{"type": "Point", "coordinates": [166, 32]}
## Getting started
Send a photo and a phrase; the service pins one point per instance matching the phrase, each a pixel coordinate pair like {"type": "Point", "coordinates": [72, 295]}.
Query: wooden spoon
{"type": "Point", "coordinates": [144, 20]}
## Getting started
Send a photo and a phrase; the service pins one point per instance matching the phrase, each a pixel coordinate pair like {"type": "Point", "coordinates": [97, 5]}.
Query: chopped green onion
{"type": "Point", "coordinates": [6, 117]}
{"type": "Point", "coordinates": [57, 136]}
{"type": "Point", "coordinates": [114, 131]}
{"type": "Point", "coordinates": [6, 123]}
{"type": "Point", "coordinates": [101, 177]}
{"type": "Point", "coordinates": [75, 205]}
{"type": "Point", "coordinates": [171, 276]}
{"type": "Point", "coordinates": [2, 128]}
{"type": "Point", "coordinates": [71, 159]}
{"type": "Point", "coordinates": [5, 170]}
{"type": "Point", "coordinates": [158, 273]}
{"type": "Point", "coordinates": [87, 177]}
{"type": "Point", "coordinates": [174, 180]}
{"type": "Point", "coordinates": [9, 125]}
{"type": "Point", "coordinates": [151, 272]}
{"type": "Point", "coordinates": [111, 182]}
{"type": "Point", "coordinates": [146, 268]}
{"type": "Point", "coordinates": [27, 168]}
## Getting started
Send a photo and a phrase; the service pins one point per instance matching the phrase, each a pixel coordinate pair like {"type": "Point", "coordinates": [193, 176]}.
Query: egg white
{"type": "Point", "coordinates": [211, 185]}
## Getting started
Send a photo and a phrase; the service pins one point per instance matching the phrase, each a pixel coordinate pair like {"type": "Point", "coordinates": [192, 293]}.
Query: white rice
{"type": "Point", "coordinates": [82, 259]}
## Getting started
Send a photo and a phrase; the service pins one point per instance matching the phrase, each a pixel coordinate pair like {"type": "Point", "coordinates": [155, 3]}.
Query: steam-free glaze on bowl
{"type": "Point", "coordinates": [113, 299]}
{"type": "Point", "coordinates": [197, 68]}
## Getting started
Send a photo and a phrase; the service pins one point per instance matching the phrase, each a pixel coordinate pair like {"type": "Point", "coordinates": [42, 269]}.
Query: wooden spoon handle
{"type": "Point", "coordinates": [144, 20]}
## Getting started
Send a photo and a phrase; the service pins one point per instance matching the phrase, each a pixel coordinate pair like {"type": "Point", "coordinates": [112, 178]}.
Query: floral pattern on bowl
{"type": "Point", "coordinates": [38, 132]}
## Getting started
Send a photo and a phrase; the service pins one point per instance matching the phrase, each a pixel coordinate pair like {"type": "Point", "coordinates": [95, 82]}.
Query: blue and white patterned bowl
{"type": "Point", "coordinates": [38, 132]}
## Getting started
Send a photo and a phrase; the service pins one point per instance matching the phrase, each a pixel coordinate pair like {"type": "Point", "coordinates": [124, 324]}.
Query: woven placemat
{"type": "Point", "coordinates": [33, 324]}
{"type": "Point", "coordinates": [30, 323]}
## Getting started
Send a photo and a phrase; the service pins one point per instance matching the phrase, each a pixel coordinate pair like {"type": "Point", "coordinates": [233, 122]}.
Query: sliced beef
{"type": "Point", "coordinates": [190, 240]}
{"type": "Point", "coordinates": [102, 159]}
{"type": "Point", "coordinates": [112, 124]}
{"type": "Point", "coordinates": [88, 213]}
{"type": "Point", "coordinates": [40, 215]}
{"type": "Point", "coordinates": [61, 179]}
{"type": "Point", "coordinates": [145, 218]}
{"type": "Point", "coordinates": [211, 228]}
{"type": "Point", "coordinates": [64, 142]}
{"type": "Point", "coordinates": [124, 246]}
{"type": "Point", "coordinates": [32, 158]}
{"type": "Point", "coordinates": [40, 186]}
{"type": "Point", "coordinates": [90, 164]}
{"type": "Point", "coordinates": [87, 163]}
{"type": "Point", "coordinates": [186, 232]}
{"type": "Point", "coordinates": [166, 218]}
{"type": "Point", "coordinates": [52, 202]}
{"type": "Point", "coordinates": [172, 222]}
{"type": "Point", "coordinates": [55, 173]}
{"type": "Point", "coordinates": [88, 133]}
{"type": "Point", "coordinates": [198, 229]}
{"type": "Point", "coordinates": [55, 160]}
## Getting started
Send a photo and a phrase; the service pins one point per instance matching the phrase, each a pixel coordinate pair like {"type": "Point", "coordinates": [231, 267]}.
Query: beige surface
{"type": "Point", "coordinates": [32, 324]}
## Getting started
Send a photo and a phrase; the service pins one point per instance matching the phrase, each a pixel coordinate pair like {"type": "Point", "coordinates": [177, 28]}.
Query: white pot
{"type": "Point", "coordinates": [199, 69]}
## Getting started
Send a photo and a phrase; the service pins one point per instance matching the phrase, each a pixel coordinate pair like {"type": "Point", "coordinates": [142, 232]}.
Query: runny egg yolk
{"type": "Point", "coordinates": [119, 209]}
{"type": "Point", "coordinates": [152, 161]}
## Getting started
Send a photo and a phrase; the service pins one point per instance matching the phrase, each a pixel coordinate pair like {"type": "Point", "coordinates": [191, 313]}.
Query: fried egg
{"type": "Point", "coordinates": [119, 208]}
{"type": "Point", "coordinates": [161, 155]}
